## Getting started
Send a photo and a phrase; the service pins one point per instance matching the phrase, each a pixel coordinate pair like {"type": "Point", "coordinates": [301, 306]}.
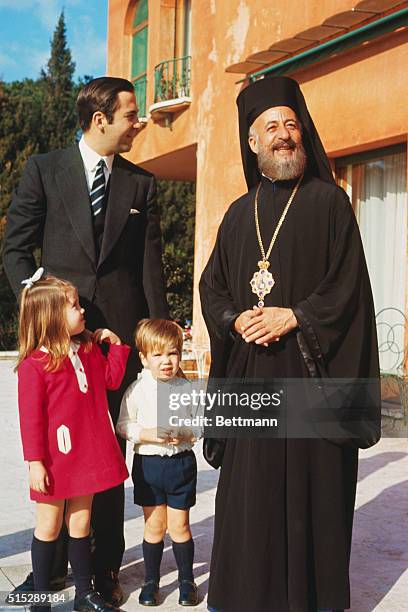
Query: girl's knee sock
{"type": "Point", "coordinates": [152, 554]}
{"type": "Point", "coordinates": [42, 557]}
{"type": "Point", "coordinates": [79, 555]}
{"type": "Point", "coordinates": [184, 554]}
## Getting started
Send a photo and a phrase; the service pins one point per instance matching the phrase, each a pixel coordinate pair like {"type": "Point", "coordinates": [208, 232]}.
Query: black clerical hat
{"type": "Point", "coordinates": [278, 91]}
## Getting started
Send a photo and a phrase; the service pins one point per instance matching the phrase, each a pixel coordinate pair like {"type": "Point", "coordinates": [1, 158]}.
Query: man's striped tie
{"type": "Point", "coordinates": [97, 194]}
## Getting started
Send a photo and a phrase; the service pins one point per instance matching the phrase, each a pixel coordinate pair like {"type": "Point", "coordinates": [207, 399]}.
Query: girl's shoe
{"type": "Point", "coordinates": [149, 595]}
{"type": "Point", "coordinates": [188, 593]}
{"type": "Point", "coordinates": [56, 584]}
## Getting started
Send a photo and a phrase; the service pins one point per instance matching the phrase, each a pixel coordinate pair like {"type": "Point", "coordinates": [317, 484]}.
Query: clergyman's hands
{"type": "Point", "coordinates": [243, 320]}
{"type": "Point", "coordinates": [268, 324]}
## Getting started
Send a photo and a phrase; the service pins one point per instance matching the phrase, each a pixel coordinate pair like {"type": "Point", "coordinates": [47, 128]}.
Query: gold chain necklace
{"type": "Point", "coordinates": [262, 281]}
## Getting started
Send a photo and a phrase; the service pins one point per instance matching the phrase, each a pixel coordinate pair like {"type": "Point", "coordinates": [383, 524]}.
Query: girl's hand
{"type": "Point", "coordinates": [39, 480]}
{"type": "Point", "coordinates": [155, 435]}
{"type": "Point", "coordinates": [106, 335]}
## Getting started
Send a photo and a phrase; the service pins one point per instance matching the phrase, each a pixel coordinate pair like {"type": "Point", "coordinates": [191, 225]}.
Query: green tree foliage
{"type": "Point", "coordinates": [59, 92]}
{"type": "Point", "coordinates": [177, 209]}
{"type": "Point", "coordinates": [20, 137]}
{"type": "Point", "coordinates": [20, 132]}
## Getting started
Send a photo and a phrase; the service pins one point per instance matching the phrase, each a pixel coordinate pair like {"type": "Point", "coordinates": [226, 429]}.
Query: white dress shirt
{"type": "Point", "coordinates": [139, 409]}
{"type": "Point", "coordinates": [91, 159]}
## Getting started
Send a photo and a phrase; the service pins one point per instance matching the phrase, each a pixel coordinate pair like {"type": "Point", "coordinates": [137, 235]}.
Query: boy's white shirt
{"type": "Point", "coordinates": [138, 411]}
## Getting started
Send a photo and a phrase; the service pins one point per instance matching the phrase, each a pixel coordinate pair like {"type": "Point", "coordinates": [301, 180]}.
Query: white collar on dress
{"type": "Point", "coordinates": [72, 347]}
{"type": "Point", "coordinates": [76, 364]}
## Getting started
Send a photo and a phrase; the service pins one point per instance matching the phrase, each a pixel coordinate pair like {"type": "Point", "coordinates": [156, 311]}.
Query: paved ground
{"type": "Point", "coordinates": [380, 546]}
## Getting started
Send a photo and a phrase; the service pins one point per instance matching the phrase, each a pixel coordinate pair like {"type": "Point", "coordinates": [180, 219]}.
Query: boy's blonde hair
{"type": "Point", "coordinates": [42, 321]}
{"type": "Point", "coordinates": [155, 334]}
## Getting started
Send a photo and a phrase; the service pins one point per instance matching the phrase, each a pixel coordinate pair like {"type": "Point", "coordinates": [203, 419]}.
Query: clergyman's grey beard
{"type": "Point", "coordinates": [282, 169]}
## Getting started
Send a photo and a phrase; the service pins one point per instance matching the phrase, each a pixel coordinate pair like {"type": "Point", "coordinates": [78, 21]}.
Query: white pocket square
{"type": "Point", "coordinates": [134, 211]}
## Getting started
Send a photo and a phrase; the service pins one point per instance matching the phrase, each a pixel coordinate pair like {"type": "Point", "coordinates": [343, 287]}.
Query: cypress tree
{"type": "Point", "coordinates": [59, 115]}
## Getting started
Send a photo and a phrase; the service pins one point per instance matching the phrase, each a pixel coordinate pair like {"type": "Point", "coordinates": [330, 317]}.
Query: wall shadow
{"type": "Point", "coordinates": [380, 547]}
{"type": "Point", "coordinates": [369, 465]}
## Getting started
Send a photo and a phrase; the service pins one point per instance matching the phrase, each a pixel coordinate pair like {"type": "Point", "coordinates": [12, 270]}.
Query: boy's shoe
{"type": "Point", "coordinates": [92, 602]}
{"type": "Point", "coordinates": [149, 595]}
{"type": "Point", "coordinates": [56, 584]}
{"type": "Point", "coordinates": [188, 593]}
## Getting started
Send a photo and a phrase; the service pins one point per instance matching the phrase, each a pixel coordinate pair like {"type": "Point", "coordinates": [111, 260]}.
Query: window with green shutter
{"type": "Point", "coordinates": [141, 13]}
{"type": "Point", "coordinates": [139, 54]}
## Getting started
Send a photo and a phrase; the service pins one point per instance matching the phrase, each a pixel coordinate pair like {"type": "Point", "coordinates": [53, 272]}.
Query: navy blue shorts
{"type": "Point", "coordinates": [170, 480]}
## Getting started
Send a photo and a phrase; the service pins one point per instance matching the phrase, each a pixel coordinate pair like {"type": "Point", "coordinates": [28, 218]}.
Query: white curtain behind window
{"type": "Point", "coordinates": [382, 216]}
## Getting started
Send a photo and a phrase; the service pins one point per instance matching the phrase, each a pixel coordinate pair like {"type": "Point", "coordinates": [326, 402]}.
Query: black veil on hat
{"type": "Point", "coordinates": [279, 91]}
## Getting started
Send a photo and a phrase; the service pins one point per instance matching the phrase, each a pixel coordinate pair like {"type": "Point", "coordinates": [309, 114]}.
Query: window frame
{"type": "Point", "coordinates": [141, 75]}
{"type": "Point", "coordinates": [354, 163]}
{"type": "Point", "coordinates": [355, 160]}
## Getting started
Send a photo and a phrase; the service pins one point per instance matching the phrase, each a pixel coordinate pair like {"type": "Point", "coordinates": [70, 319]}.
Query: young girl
{"type": "Point", "coordinates": [164, 467]}
{"type": "Point", "coordinates": [68, 438]}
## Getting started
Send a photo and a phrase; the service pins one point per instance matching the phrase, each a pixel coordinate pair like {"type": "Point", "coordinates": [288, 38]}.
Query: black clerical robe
{"type": "Point", "coordinates": [284, 507]}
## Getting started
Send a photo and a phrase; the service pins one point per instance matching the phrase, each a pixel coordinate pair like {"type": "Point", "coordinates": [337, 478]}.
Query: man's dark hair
{"type": "Point", "coordinates": [100, 94]}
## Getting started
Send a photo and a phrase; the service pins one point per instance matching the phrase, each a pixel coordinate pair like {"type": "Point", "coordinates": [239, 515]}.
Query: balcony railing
{"type": "Point", "coordinates": [140, 93]}
{"type": "Point", "coordinates": [172, 79]}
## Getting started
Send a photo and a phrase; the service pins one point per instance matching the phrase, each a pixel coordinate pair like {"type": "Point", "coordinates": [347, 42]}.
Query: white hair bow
{"type": "Point", "coordinates": [29, 282]}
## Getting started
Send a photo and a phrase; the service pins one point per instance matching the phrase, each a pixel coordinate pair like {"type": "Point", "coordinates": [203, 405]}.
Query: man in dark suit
{"type": "Point", "coordinates": [93, 215]}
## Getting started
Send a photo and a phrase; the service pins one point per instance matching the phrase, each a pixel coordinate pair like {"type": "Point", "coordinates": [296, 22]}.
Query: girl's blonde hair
{"type": "Point", "coordinates": [155, 334]}
{"type": "Point", "coordinates": [42, 321]}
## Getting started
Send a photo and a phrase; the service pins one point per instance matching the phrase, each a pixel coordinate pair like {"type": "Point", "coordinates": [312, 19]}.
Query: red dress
{"type": "Point", "coordinates": [65, 423]}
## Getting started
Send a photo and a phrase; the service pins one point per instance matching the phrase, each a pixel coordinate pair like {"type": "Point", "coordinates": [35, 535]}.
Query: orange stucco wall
{"type": "Point", "coordinates": [357, 100]}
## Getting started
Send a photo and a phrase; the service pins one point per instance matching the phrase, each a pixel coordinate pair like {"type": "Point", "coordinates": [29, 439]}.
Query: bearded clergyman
{"type": "Point", "coordinates": [286, 295]}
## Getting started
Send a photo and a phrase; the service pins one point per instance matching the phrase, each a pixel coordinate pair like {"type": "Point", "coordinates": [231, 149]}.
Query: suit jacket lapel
{"type": "Point", "coordinates": [122, 193]}
{"type": "Point", "coordinates": [70, 177]}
